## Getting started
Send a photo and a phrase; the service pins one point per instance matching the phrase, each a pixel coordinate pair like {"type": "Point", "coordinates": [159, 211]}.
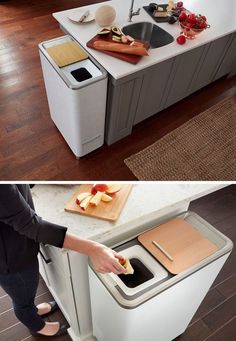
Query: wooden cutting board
{"type": "Point", "coordinates": [105, 210]}
{"type": "Point", "coordinates": [186, 245]}
{"type": "Point", "coordinates": [123, 56]}
{"type": "Point", "coordinates": [66, 53]}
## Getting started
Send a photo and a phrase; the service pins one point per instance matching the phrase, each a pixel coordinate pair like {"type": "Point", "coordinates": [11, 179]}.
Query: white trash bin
{"type": "Point", "coordinates": [154, 304]}
{"type": "Point", "coordinates": [77, 99]}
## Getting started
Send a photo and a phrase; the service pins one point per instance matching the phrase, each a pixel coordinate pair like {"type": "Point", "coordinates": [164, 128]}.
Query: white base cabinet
{"type": "Point", "coordinates": [55, 270]}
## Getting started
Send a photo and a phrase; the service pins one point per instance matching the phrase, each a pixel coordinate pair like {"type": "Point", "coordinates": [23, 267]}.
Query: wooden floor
{"type": "Point", "coordinates": [31, 148]}
{"type": "Point", "coordinates": [215, 319]}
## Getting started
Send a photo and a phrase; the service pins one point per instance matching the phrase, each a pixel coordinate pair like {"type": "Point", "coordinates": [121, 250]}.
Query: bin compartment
{"type": "Point", "coordinates": [141, 274]}
{"type": "Point", "coordinates": [81, 74]}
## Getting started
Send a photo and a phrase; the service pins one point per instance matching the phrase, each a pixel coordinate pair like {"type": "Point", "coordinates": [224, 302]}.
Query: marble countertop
{"type": "Point", "coordinates": [143, 201]}
{"type": "Point", "coordinates": [221, 16]}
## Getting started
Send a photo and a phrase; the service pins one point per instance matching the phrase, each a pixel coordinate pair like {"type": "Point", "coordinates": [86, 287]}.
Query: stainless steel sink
{"type": "Point", "coordinates": [148, 32]}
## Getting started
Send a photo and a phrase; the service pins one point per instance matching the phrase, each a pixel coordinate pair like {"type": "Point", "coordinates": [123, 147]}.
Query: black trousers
{"type": "Point", "coordinates": [22, 287]}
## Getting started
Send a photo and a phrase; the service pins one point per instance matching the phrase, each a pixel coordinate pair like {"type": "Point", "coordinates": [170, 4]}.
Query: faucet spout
{"type": "Point", "coordinates": [132, 12]}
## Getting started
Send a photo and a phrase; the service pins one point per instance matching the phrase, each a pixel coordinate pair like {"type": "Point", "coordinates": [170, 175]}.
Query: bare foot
{"type": "Point", "coordinates": [50, 328]}
{"type": "Point", "coordinates": [43, 308]}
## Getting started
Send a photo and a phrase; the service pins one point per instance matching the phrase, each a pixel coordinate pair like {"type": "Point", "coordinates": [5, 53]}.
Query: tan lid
{"type": "Point", "coordinates": [177, 245]}
{"type": "Point", "coordinates": [66, 53]}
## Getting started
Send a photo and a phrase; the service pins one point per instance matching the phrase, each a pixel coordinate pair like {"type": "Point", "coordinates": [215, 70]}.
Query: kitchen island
{"type": "Point", "coordinates": [66, 272]}
{"type": "Point", "coordinates": [169, 73]}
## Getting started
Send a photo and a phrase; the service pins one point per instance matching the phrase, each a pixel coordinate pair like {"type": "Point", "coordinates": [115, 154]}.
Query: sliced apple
{"type": "Point", "coordinates": [84, 204]}
{"type": "Point", "coordinates": [96, 199]}
{"type": "Point", "coordinates": [81, 197]}
{"type": "Point", "coordinates": [113, 189]}
{"type": "Point", "coordinates": [99, 188]}
{"type": "Point", "coordinates": [106, 197]}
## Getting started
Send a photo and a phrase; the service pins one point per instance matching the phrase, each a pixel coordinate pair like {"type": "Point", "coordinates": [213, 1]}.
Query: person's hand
{"type": "Point", "coordinates": [105, 260]}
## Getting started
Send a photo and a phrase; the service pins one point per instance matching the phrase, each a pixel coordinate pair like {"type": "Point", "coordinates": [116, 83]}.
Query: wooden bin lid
{"type": "Point", "coordinates": [66, 53]}
{"type": "Point", "coordinates": [180, 240]}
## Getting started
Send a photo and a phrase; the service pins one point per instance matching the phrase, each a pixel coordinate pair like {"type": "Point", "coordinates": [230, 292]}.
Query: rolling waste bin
{"type": "Point", "coordinates": [174, 264]}
{"type": "Point", "coordinates": [76, 87]}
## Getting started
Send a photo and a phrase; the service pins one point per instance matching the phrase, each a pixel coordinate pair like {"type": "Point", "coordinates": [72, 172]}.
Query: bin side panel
{"type": "Point", "coordinates": [78, 114]}
{"type": "Point", "coordinates": [162, 318]}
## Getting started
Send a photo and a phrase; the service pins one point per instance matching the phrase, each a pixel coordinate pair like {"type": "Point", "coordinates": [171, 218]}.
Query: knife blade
{"type": "Point", "coordinates": [84, 16]}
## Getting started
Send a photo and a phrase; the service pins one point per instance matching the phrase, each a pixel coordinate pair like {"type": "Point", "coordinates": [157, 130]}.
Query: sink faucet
{"type": "Point", "coordinates": [131, 11]}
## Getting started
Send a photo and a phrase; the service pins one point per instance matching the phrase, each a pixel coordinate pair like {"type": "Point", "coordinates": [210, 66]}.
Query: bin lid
{"type": "Point", "coordinates": [66, 56]}
{"type": "Point", "coordinates": [66, 53]}
{"type": "Point", "coordinates": [177, 245]}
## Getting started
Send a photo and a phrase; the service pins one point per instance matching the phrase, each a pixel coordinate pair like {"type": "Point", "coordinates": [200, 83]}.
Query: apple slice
{"type": "Point", "coordinates": [81, 197]}
{"type": "Point", "coordinates": [126, 264]}
{"type": "Point", "coordinates": [99, 188]}
{"type": "Point", "coordinates": [113, 189]}
{"type": "Point", "coordinates": [106, 197]}
{"type": "Point", "coordinates": [84, 204]}
{"type": "Point", "coordinates": [96, 199]}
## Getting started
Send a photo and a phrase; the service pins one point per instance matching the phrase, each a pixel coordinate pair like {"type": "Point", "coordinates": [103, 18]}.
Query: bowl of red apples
{"type": "Point", "coordinates": [192, 24]}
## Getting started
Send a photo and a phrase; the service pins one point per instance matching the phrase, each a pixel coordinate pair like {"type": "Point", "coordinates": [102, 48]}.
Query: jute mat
{"type": "Point", "coordinates": [204, 148]}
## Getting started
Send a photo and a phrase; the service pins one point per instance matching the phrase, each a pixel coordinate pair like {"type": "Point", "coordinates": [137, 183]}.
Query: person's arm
{"type": "Point", "coordinates": [16, 212]}
{"type": "Point", "coordinates": [103, 258]}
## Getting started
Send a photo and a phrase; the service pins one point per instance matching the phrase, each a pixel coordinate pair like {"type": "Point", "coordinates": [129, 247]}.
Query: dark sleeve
{"type": "Point", "coordinates": [16, 212]}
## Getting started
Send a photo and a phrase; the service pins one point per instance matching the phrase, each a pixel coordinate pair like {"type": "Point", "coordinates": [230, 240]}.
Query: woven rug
{"type": "Point", "coordinates": [204, 148]}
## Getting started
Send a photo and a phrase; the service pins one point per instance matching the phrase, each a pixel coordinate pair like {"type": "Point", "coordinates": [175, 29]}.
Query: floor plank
{"type": "Point", "coordinates": [228, 287]}
{"type": "Point", "coordinates": [212, 299]}
{"type": "Point", "coordinates": [221, 314]}
{"type": "Point", "coordinates": [196, 332]}
{"type": "Point", "coordinates": [227, 332]}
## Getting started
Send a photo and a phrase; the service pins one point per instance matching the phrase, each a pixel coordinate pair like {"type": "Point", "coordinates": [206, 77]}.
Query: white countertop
{"type": "Point", "coordinates": [221, 16]}
{"type": "Point", "coordinates": [143, 201]}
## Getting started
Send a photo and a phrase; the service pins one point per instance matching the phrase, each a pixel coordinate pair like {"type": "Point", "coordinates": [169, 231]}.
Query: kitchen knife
{"type": "Point", "coordinates": [84, 16]}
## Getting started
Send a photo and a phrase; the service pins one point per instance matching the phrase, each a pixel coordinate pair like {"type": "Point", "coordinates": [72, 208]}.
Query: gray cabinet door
{"type": "Point", "coordinates": [121, 107]}
{"type": "Point", "coordinates": [229, 60]}
{"type": "Point", "coordinates": [212, 59]}
{"type": "Point", "coordinates": [153, 87]}
{"type": "Point", "coordinates": [184, 69]}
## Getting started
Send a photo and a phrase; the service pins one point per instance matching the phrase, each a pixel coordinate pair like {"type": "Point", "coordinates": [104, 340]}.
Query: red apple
{"type": "Point", "coordinates": [99, 188]}
{"type": "Point", "coordinates": [181, 39]}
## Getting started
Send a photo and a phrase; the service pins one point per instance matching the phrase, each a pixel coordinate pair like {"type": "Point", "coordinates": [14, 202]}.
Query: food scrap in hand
{"type": "Point", "coordinates": [126, 264]}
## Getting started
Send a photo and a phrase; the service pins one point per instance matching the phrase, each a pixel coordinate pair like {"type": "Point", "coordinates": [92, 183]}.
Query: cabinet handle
{"type": "Point", "coordinates": [46, 260]}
